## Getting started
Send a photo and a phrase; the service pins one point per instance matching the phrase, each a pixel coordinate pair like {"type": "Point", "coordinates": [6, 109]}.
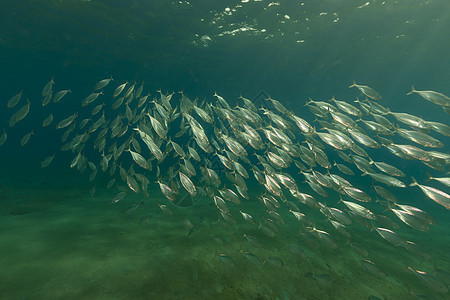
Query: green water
{"type": "Point", "coordinates": [62, 240]}
{"type": "Point", "coordinates": [59, 242]}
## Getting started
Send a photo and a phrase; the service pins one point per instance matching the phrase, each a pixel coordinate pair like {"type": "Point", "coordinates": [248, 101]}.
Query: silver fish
{"type": "Point", "coordinates": [119, 89]}
{"type": "Point", "coordinates": [47, 121]}
{"type": "Point", "coordinates": [368, 91]}
{"type": "Point", "coordinates": [20, 114]}
{"type": "Point", "coordinates": [430, 281]}
{"type": "Point", "coordinates": [434, 194]}
{"type": "Point", "coordinates": [187, 184]}
{"type": "Point", "coordinates": [434, 97]}
{"type": "Point", "coordinates": [360, 210]}
{"type": "Point", "coordinates": [388, 169]}
{"type": "Point", "coordinates": [139, 159]}
{"type": "Point", "coordinates": [388, 180]}
{"type": "Point", "coordinates": [67, 121]}
{"type": "Point", "coordinates": [391, 237]}
{"type": "Point", "coordinates": [47, 161]}
{"type": "Point", "coordinates": [102, 83]}
{"type": "Point", "coordinates": [132, 184]}
{"type": "Point", "coordinates": [14, 100]}
{"type": "Point", "coordinates": [26, 138]}
{"type": "Point", "coordinates": [91, 98]}
{"type": "Point", "coordinates": [59, 95]}
{"type": "Point", "coordinates": [48, 88]}
{"type": "Point", "coordinates": [3, 138]}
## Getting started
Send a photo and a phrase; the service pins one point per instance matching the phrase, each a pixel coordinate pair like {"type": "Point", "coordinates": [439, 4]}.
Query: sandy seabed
{"type": "Point", "coordinates": [59, 242]}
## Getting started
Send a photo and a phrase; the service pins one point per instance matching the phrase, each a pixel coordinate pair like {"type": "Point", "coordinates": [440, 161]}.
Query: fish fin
{"type": "Point", "coordinates": [372, 228]}
{"type": "Point", "coordinates": [413, 90]}
{"type": "Point", "coordinates": [414, 182]}
{"type": "Point", "coordinates": [308, 102]}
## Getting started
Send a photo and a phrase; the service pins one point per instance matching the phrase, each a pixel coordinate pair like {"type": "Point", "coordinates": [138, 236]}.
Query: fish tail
{"type": "Point", "coordinates": [353, 85]}
{"type": "Point", "coordinates": [308, 102]}
{"type": "Point", "coordinates": [372, 227]}
{"type": "Point", "coordinates": [414, 182]}
{"type": "Point", "coordinates": [413, 90]}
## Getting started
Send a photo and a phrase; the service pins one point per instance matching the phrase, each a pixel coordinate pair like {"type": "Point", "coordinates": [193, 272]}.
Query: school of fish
{"type": "Point", "coordinates": [209, 152]}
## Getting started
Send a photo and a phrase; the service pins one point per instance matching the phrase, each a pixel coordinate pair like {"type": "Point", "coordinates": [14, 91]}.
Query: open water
{"type": "Point", "coordinates": [62, 238]}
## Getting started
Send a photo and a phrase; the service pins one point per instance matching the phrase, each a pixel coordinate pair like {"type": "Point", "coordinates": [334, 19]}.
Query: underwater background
{"type": "Point", "coordinates": [60, 239]}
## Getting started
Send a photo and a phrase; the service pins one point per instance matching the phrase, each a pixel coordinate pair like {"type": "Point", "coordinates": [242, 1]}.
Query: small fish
{"type": "Point", "coordinates": [139, 159]}
{"type": "Point", "coordinates": [221, 205]}
{"type": "Point", "coordinates": [111, 183]}
{"type": "Point", "coordinates": [411, 120]}
{"type": "Point", "coordinates": [363, 139]}
{"type": "Point", "coordinates": [443, 180]}
{"type": "Point", "coordinates": [119, 89]}
{"type": "Point", "coordinates": [165, 209]}
{"type": "Point", "coordinates": [20, 114]}
{"type": "Point", "coordinates": [14, 100]}
{"type": "Point", "coordinates": [160, 130]}
{"type": "Point", "coordinates": [47, 121]}
{"type": "Point", "coordinates": [388, 180]}
{"type": "Point", "coordinates": [253, 241]}
{"type": "Point", "coordinates": [226, 259]}
{"type": "Point", "coordinates": [26, 138]}
{"type": "Point", "coordinates": [129, 91]}
{"type": "Point", "coordinates": [67, 121]}
{"type": "Point", "coordinates": [391, 237]}
{"type": "Point", "coordinates": [134, 207]}
{"type": "Point", "coordinates": [430, 281]}
{"type": "Point", "coordinates": [222, 101]}
{"type": "Point", "coordinates": [48, 88]}
{"type": "Point", "coordinates": [92, 191]}
{"type": "Point", "coordinates": [274, 261]}
{"type": "Point", "coordinates": [420, 138]}
{"type": "Point", "coordinates": [47, 99]}
{"type": "Point", "coordinates": [59, 95]}
{"type": "Point", "coordinates": [47, 161]}
{"type": "Point", "coordinates": [97, 109]}
{"type": "Point", "coordinates": [441, 128]}
{"type": "Point", "coordinates": [132, 184]}
{"type": "Point", "coordinates": [368, 91]}
{"type": "Point", "coordinates": [187, 184]}
{"type": "Point", "coordinates": [386, 194]}
{"type": "Point", "coordinates": [3, 138]}
{"type": "Point", "coordinates": [411, 220]}
{"type": "Point", "coordinates": [156, 151]}
{"type": "Point", "coordinates": [91, 98]}
{"type": "Point", "coordinates": [360, 210]}
{"type": "Point", "coordinates": [344, 169]}
{"type": "Point", "coordinates": [434, 194]}
{"type": "Point", "coordinates": [187, 224]}
{"type": "Point", "coordinates": [248, 218]}
{"type": "Point", "coordinates": [252, 257]}
{"type": "Point", "coordinates": [119, 196]}
{"type": "Point", "coordinates": [357, 194]}
{"type": "Point", "coordinates": [102, 83]}
{"type": "Point", "coordinates": [372, 268]}
{"type": "Point", "coordinates": [388, 169]}
{"type": "Point", "coordinates": [434, 97]}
